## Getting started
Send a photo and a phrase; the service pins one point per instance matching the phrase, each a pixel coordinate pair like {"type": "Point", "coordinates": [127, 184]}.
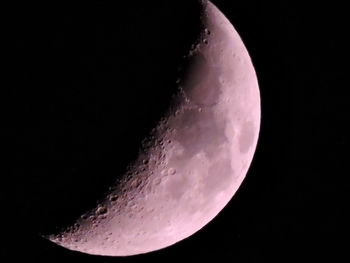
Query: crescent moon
{"type": "Point", "coordinates": [193, 162]}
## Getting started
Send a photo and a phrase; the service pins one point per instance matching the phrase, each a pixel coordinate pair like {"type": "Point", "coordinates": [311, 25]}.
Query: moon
{"type": "Point", "coordinates": [194, 160]}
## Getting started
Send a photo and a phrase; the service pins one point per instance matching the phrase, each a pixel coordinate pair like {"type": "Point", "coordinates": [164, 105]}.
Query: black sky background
{"type": "Point", "coordinates": [88, 82]}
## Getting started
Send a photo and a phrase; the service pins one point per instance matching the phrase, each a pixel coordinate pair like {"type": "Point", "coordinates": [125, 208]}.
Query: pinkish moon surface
{"type": "Point", "coordinates": [194, 161]}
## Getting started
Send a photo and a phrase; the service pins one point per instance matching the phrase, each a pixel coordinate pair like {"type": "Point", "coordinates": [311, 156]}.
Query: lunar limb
{"type": "Point", "coordinates": [193, 162]}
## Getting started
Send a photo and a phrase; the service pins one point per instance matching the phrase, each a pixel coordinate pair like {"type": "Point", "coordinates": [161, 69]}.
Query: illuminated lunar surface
{"type": "Point", "coordinates": [193, 162]}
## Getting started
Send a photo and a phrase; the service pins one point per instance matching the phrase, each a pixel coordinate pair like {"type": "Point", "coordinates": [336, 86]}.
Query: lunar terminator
{"type": "Point", "coordinates": [193, 162]}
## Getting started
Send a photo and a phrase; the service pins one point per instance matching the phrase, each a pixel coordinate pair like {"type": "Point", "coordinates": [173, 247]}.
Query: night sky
{"type": "Point", "coordinates": [89, 81]}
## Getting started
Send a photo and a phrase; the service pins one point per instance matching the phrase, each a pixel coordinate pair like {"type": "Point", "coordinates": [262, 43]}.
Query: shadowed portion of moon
{"type": "Point", "coordinates": [92, 88]}
{"type": "Point", "coordinates": [193, 161]}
